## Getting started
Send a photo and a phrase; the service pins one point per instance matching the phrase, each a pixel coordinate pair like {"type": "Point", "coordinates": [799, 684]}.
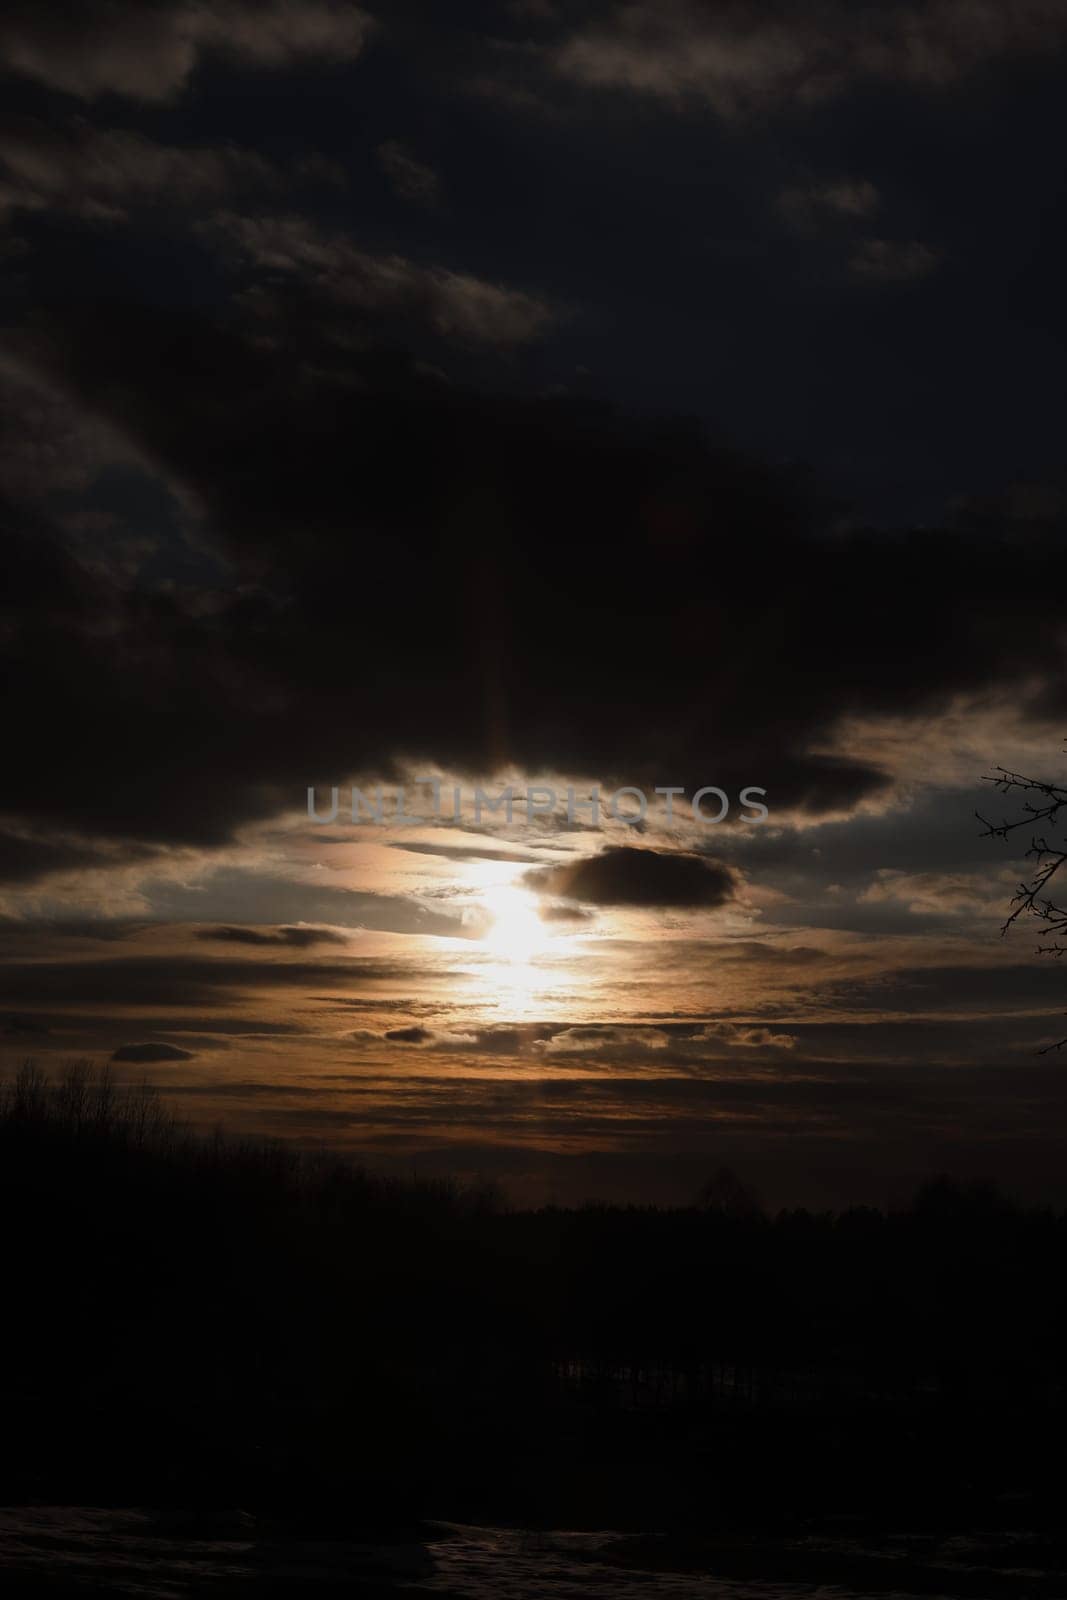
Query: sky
{"type": "Point", "coordinates": [527, 396]}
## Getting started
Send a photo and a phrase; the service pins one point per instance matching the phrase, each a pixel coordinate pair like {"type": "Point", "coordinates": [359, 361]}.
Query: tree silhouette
{"type": "Point", "coordinates": [726, 1195]}
{"type": "Point", "coordinates": [1042, 805]}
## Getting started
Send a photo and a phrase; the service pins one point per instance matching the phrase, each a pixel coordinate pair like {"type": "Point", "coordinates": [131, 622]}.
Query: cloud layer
{"type": "Point", "coordinates": [148, 52]}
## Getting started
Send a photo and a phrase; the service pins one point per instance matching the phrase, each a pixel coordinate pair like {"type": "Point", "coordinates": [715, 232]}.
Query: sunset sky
{"type": "Point", "coordinates": [640, 394]}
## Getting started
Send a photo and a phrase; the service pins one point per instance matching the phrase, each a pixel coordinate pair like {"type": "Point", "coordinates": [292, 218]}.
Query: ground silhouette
{"type": "Point", "coordinates": [212, 1322]}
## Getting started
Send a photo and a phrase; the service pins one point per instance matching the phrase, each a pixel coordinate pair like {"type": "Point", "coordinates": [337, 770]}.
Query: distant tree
{"type": "Point", "coordinates": [727, 1196]}
{"type": "Point", "coordinates": [1041, 805]}
{"type": "Point", "coordinates": [947, 1199]}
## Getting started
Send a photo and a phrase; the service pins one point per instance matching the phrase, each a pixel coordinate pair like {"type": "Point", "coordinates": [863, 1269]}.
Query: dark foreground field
{"type": "Point", "coordinates": [71, 1551]}
{"type": "Point", "coordinates": [322, 1380]}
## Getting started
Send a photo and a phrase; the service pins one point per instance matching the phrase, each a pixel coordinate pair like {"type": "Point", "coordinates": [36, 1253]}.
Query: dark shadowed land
{"type": "Point", "coordinates": [867, 1400]}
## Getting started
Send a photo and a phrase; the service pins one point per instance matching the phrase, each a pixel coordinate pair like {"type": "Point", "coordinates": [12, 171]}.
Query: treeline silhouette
{"type": "Point", "coordinates": [225, 1321]}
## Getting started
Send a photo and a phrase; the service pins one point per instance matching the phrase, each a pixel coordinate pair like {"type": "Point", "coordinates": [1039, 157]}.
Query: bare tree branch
{"type": "Point", "coordinates": [1041, 802]}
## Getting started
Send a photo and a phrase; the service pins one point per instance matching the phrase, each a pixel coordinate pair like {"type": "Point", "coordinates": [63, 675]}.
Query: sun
{"type": "Point", "coordinates": [516, 931]}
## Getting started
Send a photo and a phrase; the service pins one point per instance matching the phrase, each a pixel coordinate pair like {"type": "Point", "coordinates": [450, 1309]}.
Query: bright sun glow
{"type": "Point", "coordinates": [517, 932]}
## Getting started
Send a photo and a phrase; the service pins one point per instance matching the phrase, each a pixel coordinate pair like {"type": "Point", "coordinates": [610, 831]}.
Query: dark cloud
{"type": "Point", "coordinates": [622, 876]}
{"type": "Point", "coordinates": [465, 852]}
{"type": "Point", "coordinates": [977, 988]}
{"type": "Point", "coordinates": [151, 1052]}
{"type": "Point", "coordinates": [246, 897]}
{"type": "Point", "coordinates": [413, 1035]}
{"type": "Point", "coordinates": [564, 913]}
{"type": "Point", "coordinates": [760, 951]}
{"type": "Point", "coordinates": [693, 1044]}
{"type": "Point", "coordinates": [790, 57]}
{"type": "Point", "coordinates": [333, 270]}
{"type": "Point", "coordinates": [28, 858]}
{"type": "Point", "coordinates": [411, 178]}
{"type": "Point", "coordinates": [894, 260]}
{"type": "Point", "coordinates": [291, 938]}
{"type": "Point", "coordinates": [47, 445]}
{"type": "Point", "coordinates": [98, 173]}
{"type": "Point", "coordinates": [302, 468]}
{"type": "Point", "coordinates": [815, 204]}
{"type": "Point", "coordinates": [22, 1027]}
{"type": "Point", "coordinates": [499, 1039]}
{"type": "Point", "coordinates": [177, 980]}
{"type": "Point", "coordinates": [24, 858]}
{"type": "Point", "coordinates": [149, 51]}
{"type": "Point", "coordinates": [195, 1029]}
